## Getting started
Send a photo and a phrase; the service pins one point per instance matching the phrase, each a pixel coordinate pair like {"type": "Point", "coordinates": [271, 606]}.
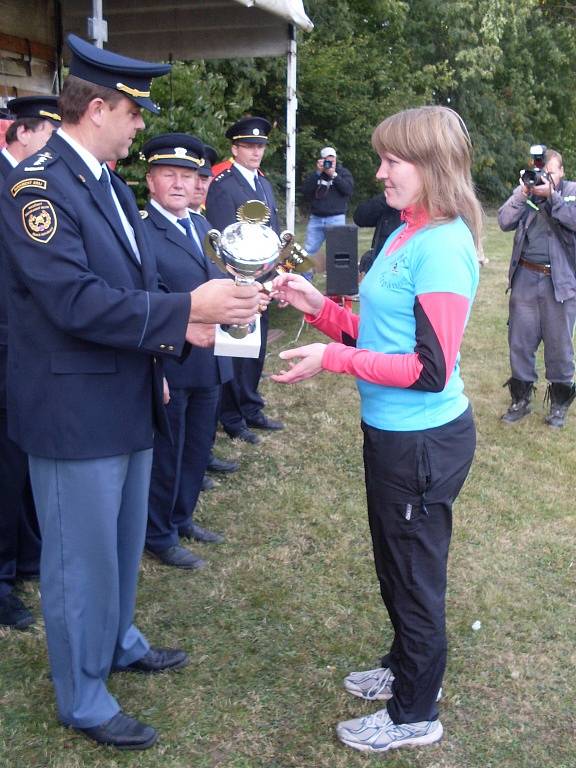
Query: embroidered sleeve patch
{"type": "Point", "coordinates": [25, 183]}
{"type": "Point", "coordinates": [39, 219]}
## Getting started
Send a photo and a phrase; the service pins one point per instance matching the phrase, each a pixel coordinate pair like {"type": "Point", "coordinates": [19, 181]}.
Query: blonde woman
{"type": "Point", "coordinates": [419, 434]}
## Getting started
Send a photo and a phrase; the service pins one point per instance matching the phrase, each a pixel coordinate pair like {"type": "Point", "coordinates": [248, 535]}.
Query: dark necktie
{"type": "Point", "coordinates": [107, 187]}
{"type": "Point", "coordinates": [187, 224]}
{"type": "Point", "coordinates": [260, 190]}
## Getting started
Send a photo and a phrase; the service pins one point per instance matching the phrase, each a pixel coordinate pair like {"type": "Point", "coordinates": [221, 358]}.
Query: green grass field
{"type": "Point", "coordinates": [290, 603]}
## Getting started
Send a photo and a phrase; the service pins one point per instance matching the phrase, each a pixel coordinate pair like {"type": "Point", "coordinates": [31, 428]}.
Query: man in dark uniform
{"type": "Point", "coordinates": [35, 117]}
{"type": "Point", "coordinates": [198, 205]}
{"type": "Point", "coordinates": [176, 235]}
{"type": "Point", "coordinates": [242, 405]}
{"type": "Point", "coordinates": [87, 326]}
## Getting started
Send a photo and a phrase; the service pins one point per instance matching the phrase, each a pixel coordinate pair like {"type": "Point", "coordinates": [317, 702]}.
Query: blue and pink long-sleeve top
{"type": "Point", "coordinates": [404, 347]}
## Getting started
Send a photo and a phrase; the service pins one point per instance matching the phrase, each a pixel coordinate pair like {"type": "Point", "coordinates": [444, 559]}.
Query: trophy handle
{"type": "Point", "coordinates": [294, 257]}
{"type": "Point", "coordinates": [286, 241]}
{"type": "Point", "coordinates": [212, 247]}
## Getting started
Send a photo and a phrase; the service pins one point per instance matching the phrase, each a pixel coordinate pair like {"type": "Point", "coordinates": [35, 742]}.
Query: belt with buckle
{"type": "Point", "coordinates": [544, 269]}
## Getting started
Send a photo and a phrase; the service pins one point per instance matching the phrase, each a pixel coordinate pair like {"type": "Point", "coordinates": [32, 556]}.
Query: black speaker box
{"type": "Point", "coordinates": [342, 261]}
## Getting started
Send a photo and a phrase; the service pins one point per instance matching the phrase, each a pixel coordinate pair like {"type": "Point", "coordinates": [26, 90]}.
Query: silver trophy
{"type": "Point", "coordinates": [248, 249]}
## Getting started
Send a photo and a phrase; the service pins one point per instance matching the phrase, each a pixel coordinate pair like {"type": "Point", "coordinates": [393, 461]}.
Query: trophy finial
{"type": "Point", "coordinates": [253, 212]}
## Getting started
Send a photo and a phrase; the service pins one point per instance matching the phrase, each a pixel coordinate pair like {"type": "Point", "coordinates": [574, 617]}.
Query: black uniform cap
{"type": "Point", "coordinates": [131, 77]}
{"type": "Point", "coordinates": [175, 149]}
{"type": "Point", "coordinates": [250, 130]}
{"type": "Point", "coordinates": [210, 158]}
{"type": "Point", "coordinates": [41, 107]}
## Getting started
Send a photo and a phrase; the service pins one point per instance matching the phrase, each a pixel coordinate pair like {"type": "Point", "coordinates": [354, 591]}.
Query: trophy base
{"type": "Point", "coordinates": [226, 345]}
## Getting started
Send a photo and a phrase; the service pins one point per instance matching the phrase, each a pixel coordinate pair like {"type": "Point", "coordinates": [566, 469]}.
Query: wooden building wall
{"type": "Point", "coordinates": [29, 47]}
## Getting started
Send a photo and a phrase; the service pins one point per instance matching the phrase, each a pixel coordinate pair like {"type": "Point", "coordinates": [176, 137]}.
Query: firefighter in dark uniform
{"type": "Point", "coordinates": [198, 206]}
{"type": "Point", "coordinates": [176, 235]}
{"type": "Point", "coordinates": [242, 405]}
{"type": "Point", "coordinates": [35, 117]}
{"type": "Point", "coordinates": [85, 380]}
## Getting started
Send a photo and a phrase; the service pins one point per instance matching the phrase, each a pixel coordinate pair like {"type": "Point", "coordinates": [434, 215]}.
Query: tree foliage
{"type": "Point", "coordinates": [507, 66]}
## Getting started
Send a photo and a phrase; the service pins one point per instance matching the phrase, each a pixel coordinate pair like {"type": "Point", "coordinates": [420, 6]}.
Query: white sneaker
{"type": "Point", "coordinates": [377, 733]}
{"type": "Point", "coordinates": [373, 684]}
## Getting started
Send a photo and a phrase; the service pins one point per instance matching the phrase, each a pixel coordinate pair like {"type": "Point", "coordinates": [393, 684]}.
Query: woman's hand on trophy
{"type": "Point", "coordinates": [201, 334]}
{"type": "Point", "coordinates": [223, 301]}
{"type": "Point", "coordinates": [308, 363]}
{"type": "Point", "coordinates": [297, 291]}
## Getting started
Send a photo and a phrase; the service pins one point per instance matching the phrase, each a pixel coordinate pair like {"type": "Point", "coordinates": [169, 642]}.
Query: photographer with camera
{"type": "Point", "coordinates": [542, 281]}
{"type": "Point", "coordinates": [328, 189]}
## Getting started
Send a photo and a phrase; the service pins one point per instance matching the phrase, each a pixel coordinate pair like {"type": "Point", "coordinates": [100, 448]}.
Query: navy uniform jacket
{"type": "Point", "coordinates": [183, 268]}
{"type": "Point", "coordinates": [5, 170]}
{"type": "Point", "coordinates": [85, 318]}
{"type": "Point", "coordinates": [229, 191]}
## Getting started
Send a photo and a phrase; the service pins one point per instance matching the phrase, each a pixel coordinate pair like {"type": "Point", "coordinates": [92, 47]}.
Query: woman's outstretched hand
{"type": "Point", "coordinates": [309, 363]}
{"type": "Point", "coordinates": [297, 291]}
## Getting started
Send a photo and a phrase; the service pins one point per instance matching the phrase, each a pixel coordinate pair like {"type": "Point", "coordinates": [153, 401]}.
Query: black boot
{"type": "Point", "coordinates": [561, 397]}
{"type": "Point", "coordinates": [521, 393]}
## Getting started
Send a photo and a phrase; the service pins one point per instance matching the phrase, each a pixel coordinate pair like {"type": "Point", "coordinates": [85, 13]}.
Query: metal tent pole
{"type": "Point", "coordinates": [97, 26]}
{"type": "Point", "coordinates": [291, 109]}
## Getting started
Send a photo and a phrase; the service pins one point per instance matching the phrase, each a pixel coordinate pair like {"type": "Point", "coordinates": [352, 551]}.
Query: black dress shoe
{"type": "Point", "coordinates": [158, 660]}
{"type": "Point", "coordinates": [245, 435]}
{"type": "Point", "coordinates": [221, 465]}
{"type": "Point", "coordinates": [196, 532]}
{"type": "Point", "coordinates": [263, 422]}
{"type": "Point", "coordinates": [178, 557]}
{"type": "Point", "coordinates": [122, 732]}
{"type": "Point", "coordinates": [207, 483]}
{"type": "Point", "coordinates": [13, 612]}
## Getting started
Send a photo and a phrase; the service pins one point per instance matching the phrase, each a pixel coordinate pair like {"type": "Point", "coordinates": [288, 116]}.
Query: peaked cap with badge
{"type": "Point", "coordinates": [131, 77]}
{"type": "Point", "coordinates": [250, 130]}
{"type": "Point", "coordinates": [179, 149]}
{"type": "Point", "coordinates": [41, 107]}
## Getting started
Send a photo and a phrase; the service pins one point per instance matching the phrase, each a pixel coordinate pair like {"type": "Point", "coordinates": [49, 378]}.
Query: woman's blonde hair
{"type": "Point", "coordinates": [436, 140]}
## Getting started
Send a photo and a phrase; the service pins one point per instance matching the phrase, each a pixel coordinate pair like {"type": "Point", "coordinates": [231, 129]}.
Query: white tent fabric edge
{"type": "Point", "coordinates": [291, 10]}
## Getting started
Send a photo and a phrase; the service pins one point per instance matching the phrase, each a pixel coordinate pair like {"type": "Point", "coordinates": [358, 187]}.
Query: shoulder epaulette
{"type": "Point", "coordinates": [221, 175]}
{"type": "Point", "coordinates": [39, 161]}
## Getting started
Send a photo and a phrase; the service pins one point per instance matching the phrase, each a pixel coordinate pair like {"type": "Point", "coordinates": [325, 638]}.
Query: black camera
{"type": "Point", "coordinates": [535, 175]}
{"type": "Point", "coordinates": [327, 164]}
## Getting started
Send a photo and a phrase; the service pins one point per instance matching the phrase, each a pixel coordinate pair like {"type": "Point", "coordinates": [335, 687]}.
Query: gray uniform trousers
{"type": "Point", "coordinates": [92, 515]}
{"type": "Point", "coordinates": [536, 316]}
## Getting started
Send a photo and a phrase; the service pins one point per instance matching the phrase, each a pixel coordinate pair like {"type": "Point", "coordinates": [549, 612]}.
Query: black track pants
{"type": "Point", "coordinates": [412, 480]}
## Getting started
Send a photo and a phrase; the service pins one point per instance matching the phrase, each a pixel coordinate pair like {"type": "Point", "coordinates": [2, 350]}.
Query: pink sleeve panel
{"type": "Point", "coordinates": [440, 323]}
{"type": "Point", "coordinates": [335, 321]}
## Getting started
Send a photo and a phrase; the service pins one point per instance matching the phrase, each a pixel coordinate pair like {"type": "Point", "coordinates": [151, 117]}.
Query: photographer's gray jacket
{"type": "Point", "coordinates": [561, 208]}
